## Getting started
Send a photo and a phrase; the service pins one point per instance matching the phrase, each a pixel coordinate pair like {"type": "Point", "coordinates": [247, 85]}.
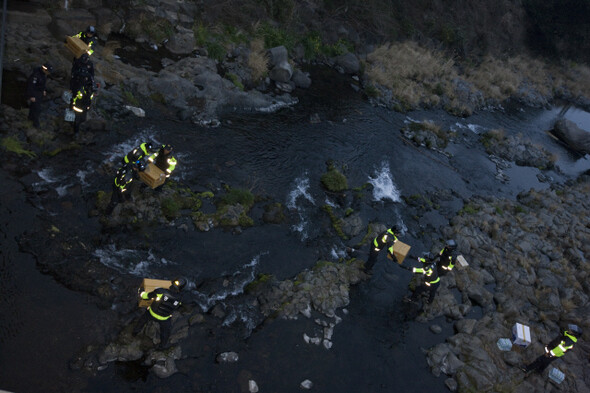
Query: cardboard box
{"type": "Point", "coordinates": [148, 285]}
{"type": "Point", "coordinates": [462, 262]}
{"type": "Point", "coordinates": [76, 46]}
{"type": "Point", "coordinates": [152, 176]}
{"type": "Point", "coordinates": [521, 335]}
{"type": "Point", "coordinates": [400, 250]}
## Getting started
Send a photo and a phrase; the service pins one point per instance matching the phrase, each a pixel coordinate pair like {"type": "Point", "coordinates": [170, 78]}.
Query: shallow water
{"type": "Point", "coordinates": [283, 156]}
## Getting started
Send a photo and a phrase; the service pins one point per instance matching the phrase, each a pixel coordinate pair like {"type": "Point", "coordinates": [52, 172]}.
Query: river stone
{"type": "Point", "coordinates": [277, 55]}
{"type": "Point", "coordinates": [573, 136]}
{"type": "Point", "coordinates": [227, 357]}
{"type": "Point", "coordinates": [281, 72]}
{"type": "Point", "coordinates": [451, 384]}
{"type": "Point", "coordinates": [301, 79]}
{"type": "Point", "coordinates": [348, 63]}
{"type": "Point", "coordinates": [352, 225]}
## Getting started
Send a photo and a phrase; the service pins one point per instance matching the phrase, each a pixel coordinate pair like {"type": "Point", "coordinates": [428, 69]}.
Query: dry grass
{"type": "Point", "coordinates": [109, 49]}
{"type": "Point", "coordinates": [258, 59]}
{"type": "Point", "coordinates": [577, 80]}
{"type": "Point", "coordinates": [414, 74]}
{"type": "Point", "coordinates": [495, 78]}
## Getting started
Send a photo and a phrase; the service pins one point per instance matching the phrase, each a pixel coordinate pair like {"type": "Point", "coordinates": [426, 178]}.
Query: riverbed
{"type": "Point", "coordinates": [280, 156]}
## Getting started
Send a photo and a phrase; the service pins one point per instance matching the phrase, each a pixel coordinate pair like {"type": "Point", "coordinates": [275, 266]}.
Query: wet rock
{"type": "Point", "coordinates": [121, 351]}
{"type": "Point", "coordinates": [307, 384]}
{"type": "Point", "coordinates": [301, 79]}
{"type": "Point", "coordinates": [163, 362]}
{"type": "Point", "coordinates": [252, 386]}
{"type": "Point", "coordinates": [348, 63]}
{"type": "Point", "coordinates": [451, 384]}
{"type": "Point", "coordinates": [182, 41]}
{"type": "Point", "coordinates": [352, 225]}
{"type": "Point", "coordinates": [227, 357]}
{"type": "Point", "coordinates": [436, 329]}
{"type": "Point", "coordinates": [281, 72]}
{"type": "Point", "coordinates": [573, 136]}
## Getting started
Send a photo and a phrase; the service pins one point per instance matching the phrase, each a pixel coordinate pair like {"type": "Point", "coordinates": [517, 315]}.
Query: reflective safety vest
{"type": "Point", "coordinates": [123, 179]}
{"type": "Point", "coordinates": [429, 273]}
{"type": "Point", "coordinates": [563, 346]}
{"type": "Point", "coordinates": [163, 305]}
{"type": "Point", "coordinates": [450, 265]}
{"type": "Point", "coordinates": [82, 101]}
{"type": "Point", "coordinates": [87, 40]}
{"type": "Point", "coordinates": [382, 239]}
{"type": "Point", "coordinates": [136, 154]}
{"type": "Point", "coordinates": [170, 162]}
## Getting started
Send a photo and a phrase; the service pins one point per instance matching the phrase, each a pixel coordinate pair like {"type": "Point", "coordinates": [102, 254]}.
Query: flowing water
{"type": "Point", "coordinates": [282, 156]}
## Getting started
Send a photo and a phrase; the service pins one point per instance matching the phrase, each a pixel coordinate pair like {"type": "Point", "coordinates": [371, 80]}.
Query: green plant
{"type": "Point", "coordinates": [468, 209]}
{"type": "Point", "coordinates": [215, 50]}
{"type": "Point", "coordinates": [13, 145]}
{"type": "Point", "coordinates": [273, 36]}
{"type": "Point", "coordinates": [238, 195]}
{"type": "Point", "coordinates": [312, 45]}
{"type": "Point", "coordinates": [336, 222]}
{"type": "Point", "coordinates": [235, 80]}
{"type": "Point", "coordinates": [170, 207]}
{"type": "Point", "coordinates": [372, 91]}
{"type": "Point", "coordinates": [129, 97]}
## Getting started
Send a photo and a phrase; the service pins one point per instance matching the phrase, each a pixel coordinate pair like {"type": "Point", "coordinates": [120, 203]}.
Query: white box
{"type": "Point", "coordinates": [521, 335]}
{"type": "Point", "coordinates": [556, 375]}
{"type": "Point", "coordinates": [462, 261]}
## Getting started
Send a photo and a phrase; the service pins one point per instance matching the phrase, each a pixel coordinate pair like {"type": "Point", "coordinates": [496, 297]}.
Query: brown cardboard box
{"type": "Point", "coordinates": [76, 46]}
{"type": "Point", "coordinates": [400, 250]}
{"type": "Point", "coordinates": [152, 176]}
{"type": "Point", "coordinates": [148, 285]}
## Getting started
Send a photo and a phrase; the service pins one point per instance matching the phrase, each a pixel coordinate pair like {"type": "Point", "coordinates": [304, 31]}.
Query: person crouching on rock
{"type": "Point", "coordinates": [165, 302]}
{"type": "Point", "coordinates": [555, 349]}
{"type": "Point", "coordinates": [430, 280]}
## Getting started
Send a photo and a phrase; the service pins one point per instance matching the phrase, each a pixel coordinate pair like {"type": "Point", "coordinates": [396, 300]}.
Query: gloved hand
{"type": "Point", "coordinates": [405, 267]}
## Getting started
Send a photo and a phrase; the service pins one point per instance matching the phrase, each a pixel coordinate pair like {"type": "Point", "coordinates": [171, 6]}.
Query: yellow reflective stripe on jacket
{"type": "Point", "coordinates": [154, 314]}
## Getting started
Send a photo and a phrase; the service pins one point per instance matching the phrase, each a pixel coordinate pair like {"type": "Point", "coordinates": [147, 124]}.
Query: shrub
{"type": "Point", "coordinates": [170, 208]}
{"type": "Point", "coordinates": [333, 180]}
{"type": "Point", "coordinates": [238, 195]}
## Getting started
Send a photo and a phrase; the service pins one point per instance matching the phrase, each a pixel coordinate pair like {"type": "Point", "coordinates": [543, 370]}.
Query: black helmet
{"type": "Point", "coordinates": [90, 29]}
{"type": "Point", "coordinates": [575, 330]}
{"type": "Point", "coordinates": [84, 57]}
{"type": "Point", "coordinates": [149, 146]}
{"type": "Point", "coordinates": [396, 229]}
{"type": "Point", "coordinates": [47, 67]}
{"type": "Point", "coordinates": [451, 245]}
{"type": "Point", "coordinates": [178, 283]}
{"type": "Point", "coordinates": [141, 166]}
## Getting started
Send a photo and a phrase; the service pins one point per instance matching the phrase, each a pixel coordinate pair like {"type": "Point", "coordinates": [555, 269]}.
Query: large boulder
{"type": "Point", "coordinates": [348, 63]}
{"type": "Point", "coordinates": [573, 136]}
{"type": "Point", "coordinates": [182, 42]}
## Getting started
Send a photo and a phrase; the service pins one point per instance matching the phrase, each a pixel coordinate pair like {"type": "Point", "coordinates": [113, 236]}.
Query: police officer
{"type": "Point", "coordinates": [389, 237]}
{"type": "Point", "coordinates": [430, 280]}
{"type": "Point", "coordinates": [446, 259]}
{"type": "Point", "coordinates": [81, 102]}
{"type": "Point", "coordinates": [165, 302]}
{"type": "Point", "coordinates": [164, 159]}
{"type": "Point", "coordinates": [139, 153]}
{"type": "Point", "coordinates": [89, 38]}
{"type": "Point", "coordinates": [36, 91]}
{"type": "Point", "coordinates": [82, 73]}
{"type": "Point", "coordinates": [556, 349]}
{"type": "Point", "coordinates": [121, 185]}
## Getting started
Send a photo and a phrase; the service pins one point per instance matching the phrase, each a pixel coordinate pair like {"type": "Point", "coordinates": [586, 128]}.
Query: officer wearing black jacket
{"type": "Point", "coordinates": [36, 91]}
{"type": "Point", "coordinates": [81, 102]}
{"type": "Point", "coordinates": [82, 73]}
{"type": "Point", "coordinates": [556, 348]}
{"type": "Point", "coordinates": [165, 302]}
{"type": "Point", "coordinates": [89, 38]}
{"type": "Point", "coordinates": [121, 185]}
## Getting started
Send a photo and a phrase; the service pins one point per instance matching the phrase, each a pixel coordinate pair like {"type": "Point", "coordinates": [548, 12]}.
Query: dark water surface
{"type": "Point", "coordinates": [281, 156]}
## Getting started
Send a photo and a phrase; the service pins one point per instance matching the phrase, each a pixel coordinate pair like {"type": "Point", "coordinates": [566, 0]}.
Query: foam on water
{"type": "Point", "coordinates": [299, 193]}
{"type": "Point", "coordinates": [118, 151]}
{"type": "Point", "coordinates": [240, 278]}
{"type": "Point", "coordinates": [383, 185]}
{"type": "Point", "coordinates": [129, 261]}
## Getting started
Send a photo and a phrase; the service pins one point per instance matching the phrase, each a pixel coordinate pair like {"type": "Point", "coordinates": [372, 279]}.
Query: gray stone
{"type": "Point", "coordinates": [227, 357]}
{"type": "Point", "coordinates": [281, 72]}
{"type": "Point", "coordinates": [301, 79]}
{"type": "Point", "coordinates": [182, 41]}
{"type": "Point", "coordinates": [348, 62]}
{"type": "Point", "coordinates": [277, 55]}
{"type": "Point", "coordinates": [573, 136]}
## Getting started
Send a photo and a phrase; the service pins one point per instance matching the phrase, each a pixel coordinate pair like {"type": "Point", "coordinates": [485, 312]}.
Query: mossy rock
{"type": "Point", "coordinates": [334, 180]}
